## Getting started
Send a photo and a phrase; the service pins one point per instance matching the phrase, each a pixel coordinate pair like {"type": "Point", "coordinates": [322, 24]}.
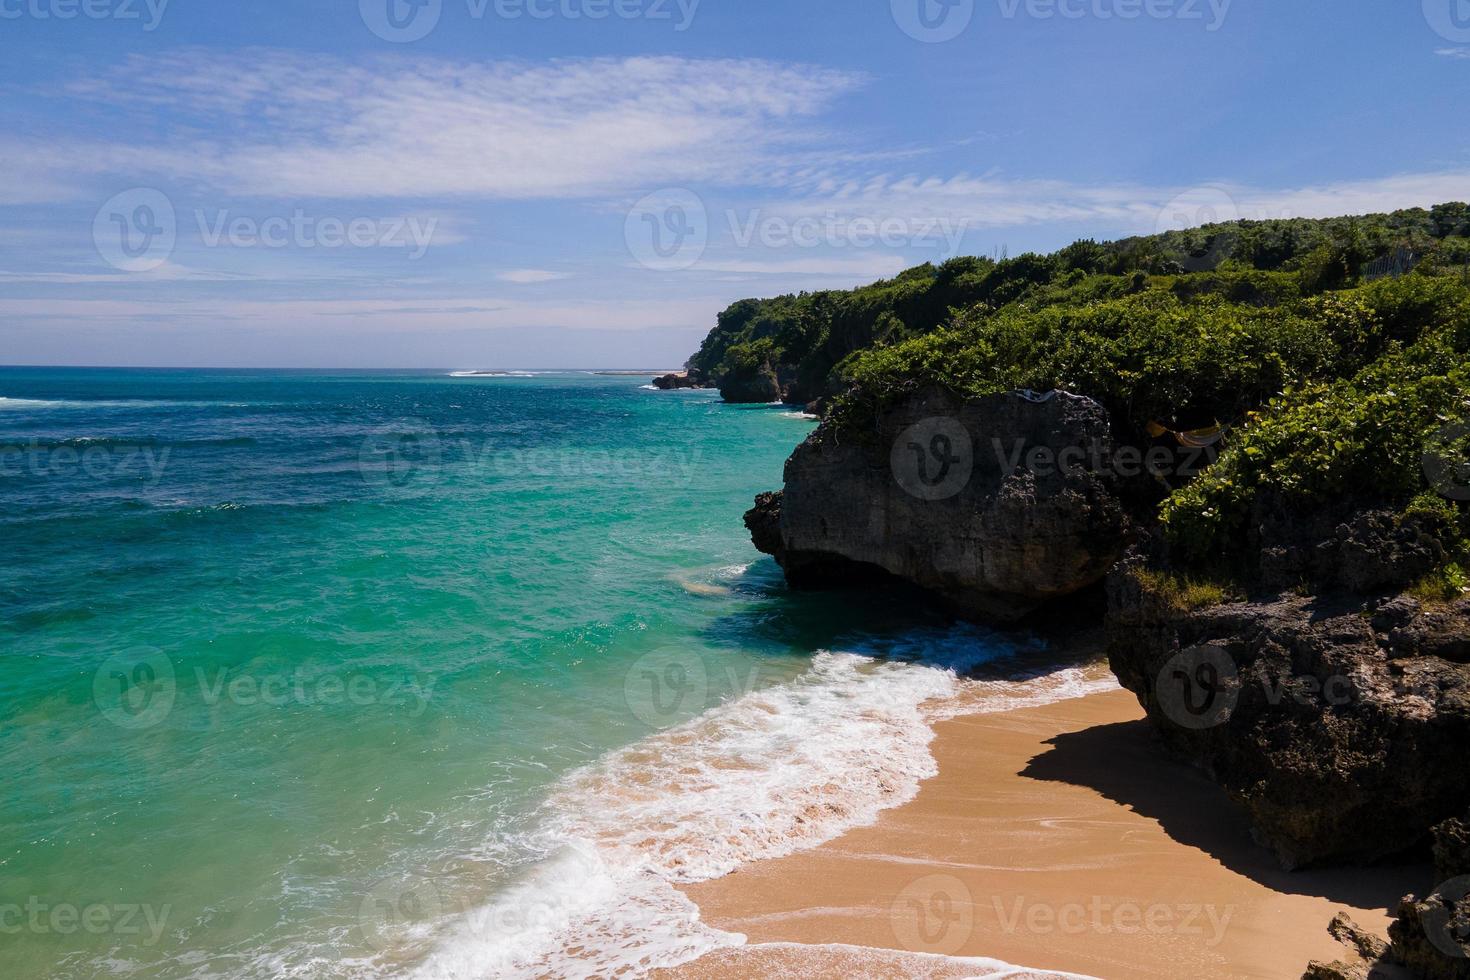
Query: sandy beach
{"type": "Point", "coordinates": [1058, 838]}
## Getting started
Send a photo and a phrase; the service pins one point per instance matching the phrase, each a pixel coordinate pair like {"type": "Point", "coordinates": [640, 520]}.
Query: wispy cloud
{"type": "Point", "coordinates": [168, 272]}
{"type": "Point", "coordinates": [345, 316]}
{"type": "Point", "coordinates": [283, 125]}
{"type": "Point", "coordinates": [278, 125]}
{"type": "Point", "coordinates": [855, 268]}
{"type": "Point", "coordinates": [994, 201]}
{"type": "Point", "coordinates": [528, 276]}
{"type": "Point", "coordinates": [1453, 52]}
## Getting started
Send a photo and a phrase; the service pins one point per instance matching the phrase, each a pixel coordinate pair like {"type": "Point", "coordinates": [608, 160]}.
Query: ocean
{"type": "Point", "coordinates": [370, 674]}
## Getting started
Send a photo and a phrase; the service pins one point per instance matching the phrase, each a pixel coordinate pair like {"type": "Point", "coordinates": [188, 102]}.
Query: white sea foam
{"type": "Point", "coordinates": [36, 404]}
{"type": "Point", "coordinates": [791, 961]}
{"type": "Point", "coordinates": [773, 772]}
{"type": "Point", "coordinates": [496, 374]}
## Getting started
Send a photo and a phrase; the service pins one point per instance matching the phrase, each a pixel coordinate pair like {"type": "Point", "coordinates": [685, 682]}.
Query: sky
{"type": "Point", "coordinates": [486, 184]}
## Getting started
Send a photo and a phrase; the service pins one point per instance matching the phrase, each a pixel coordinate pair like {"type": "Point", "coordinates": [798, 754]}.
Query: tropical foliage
{"type": "Point", "coordinates": [1329, 387]}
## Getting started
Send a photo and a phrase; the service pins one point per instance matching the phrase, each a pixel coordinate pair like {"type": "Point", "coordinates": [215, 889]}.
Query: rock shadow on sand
{"type": "Point", "coordinates": [1196, 813]}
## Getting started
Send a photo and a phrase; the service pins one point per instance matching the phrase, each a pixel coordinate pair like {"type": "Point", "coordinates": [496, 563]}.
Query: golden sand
{"type": "Point", "coordinates": [1059, 838]}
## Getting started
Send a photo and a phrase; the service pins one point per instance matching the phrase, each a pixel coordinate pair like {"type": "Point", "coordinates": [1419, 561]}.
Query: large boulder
{"type": "Point", "coordinates": [1431, 935]}
{"type": "Point", "coordinates": [758, 386]}
{"type": "Point", "coordinates": [997, 504]}
{"type": "Point", "coordinates": [1340, 724]}
{"type": "Point", "coordinates": [678, 381]}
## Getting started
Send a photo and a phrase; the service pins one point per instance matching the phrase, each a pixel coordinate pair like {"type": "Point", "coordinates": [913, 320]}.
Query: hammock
{"type": "Point", "coordinates": [1191, 439]}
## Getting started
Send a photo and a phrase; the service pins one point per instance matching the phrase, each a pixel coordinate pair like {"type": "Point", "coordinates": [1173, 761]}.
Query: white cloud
{"type": "Point", "coordinates": [1453, 52]}
{"type": "Point", "coordinates": [346, 316]}
{"type": "Point", "coordinates": [285, 125]}
{"type": "Point", "coordinates": [1355, 196]}
{"type": "Point", "coordinates": [35, 175]}
{"type": "Point", "coordinates": [857, 268]}
{"type": "Point", "coordinates": [938, 207]}
{"type": "Point", "coordinates": [527, 276]}
{"type": "Point", "coordinates": [280, 125]}
{"type": "Point", "coordinates": [167, 272]}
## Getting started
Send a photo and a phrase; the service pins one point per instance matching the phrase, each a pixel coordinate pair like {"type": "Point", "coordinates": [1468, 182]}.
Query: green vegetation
{"type": "Point", "coordinates": [806, 338]}
{"type": "Point", "coordinates": [1183, 593]}
{"type": "Point", "coordinates": [1332, 389]}
{"type": "Point", "coordinates": [1446, 584]}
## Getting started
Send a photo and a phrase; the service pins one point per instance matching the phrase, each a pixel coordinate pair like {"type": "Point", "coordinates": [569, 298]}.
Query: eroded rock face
{"type": "Point", "coordinates": [759, 387]}
{"type": "Point", "coordinates": [998, 504]}
{"type": "Point", "coordinates": [1366, 552]}
{"type": "Point", "coordinates": [1333, 722]}
{"type": "Point", "coordinates": [1362, 959]}
{"type": "Point", "coordinates": [1431, 935]}
{"type": "Point", "coordinates": [673, 382]}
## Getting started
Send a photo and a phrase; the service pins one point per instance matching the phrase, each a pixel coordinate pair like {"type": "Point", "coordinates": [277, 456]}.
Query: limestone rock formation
{"type": "Point", "coordinates": [1337, 723]}
{"type": "Point", "coordinates": [757, 387]}
{"type": "Point", "coordinates": [997, 504]}
{"type": "Point", "coordinates": [672, 382]}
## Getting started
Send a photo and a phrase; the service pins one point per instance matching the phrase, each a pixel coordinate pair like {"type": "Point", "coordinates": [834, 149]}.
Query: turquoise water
{"type": "Point", "coordinates": [299, 670]}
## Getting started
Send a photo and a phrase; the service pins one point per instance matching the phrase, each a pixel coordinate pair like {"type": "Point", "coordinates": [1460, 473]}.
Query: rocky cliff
{"type": "Point", "coordinates": [758, 386]}
{"type": "Point", "coordinates": [1339, 723]}
{"type": "Point", "coordinates": [1332, 707]}
{"type": "Point", "coordinates": [997, 504]}
{"type": "Point", "coordinates": [1430, 937]}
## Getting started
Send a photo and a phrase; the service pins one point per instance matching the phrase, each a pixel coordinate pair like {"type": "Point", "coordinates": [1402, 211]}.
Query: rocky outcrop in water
{"type": "Point", "coordinates": [676, 381]}
{"type": "Point", "coordinates": [997, 504]}
{"type": "Point", "coordinates": [760, 386]}
{"type": "Point", "coordinates": [1340, 724]}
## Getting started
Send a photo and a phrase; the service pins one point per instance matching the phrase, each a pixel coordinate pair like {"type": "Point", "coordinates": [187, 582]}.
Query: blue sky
{"type": "Point", "coordinates": [536, 183]}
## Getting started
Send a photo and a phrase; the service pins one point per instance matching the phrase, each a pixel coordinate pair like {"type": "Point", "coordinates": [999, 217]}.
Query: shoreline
{"type": "Point", "coordinates": [1058, 838]}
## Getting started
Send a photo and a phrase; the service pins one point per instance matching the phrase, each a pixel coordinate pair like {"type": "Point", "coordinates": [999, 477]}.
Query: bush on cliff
{"type": "Point", "coordinates": [1327, 399]}
{"type": "Point", "coordinates": [1148, 357]}
{"type": "Point", "coordinates": [1256, 263]}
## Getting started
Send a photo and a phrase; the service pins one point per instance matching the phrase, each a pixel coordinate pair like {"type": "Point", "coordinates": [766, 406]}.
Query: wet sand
{"type": "Point", "coordinates": [1055, 837]}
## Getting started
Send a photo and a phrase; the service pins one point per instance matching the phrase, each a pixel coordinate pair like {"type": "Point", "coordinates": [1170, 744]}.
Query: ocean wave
{"type": "Point", "coordinates": [120, 442]}
{"type": "Point", "coordinates": [496, 374]}
{"type": "Point", "coordinates": [574, 915]}
{"type": "Point", "coordinates": [771, 773]}
{"type": "Point", "coordinates": [717, 581]}
{"type": "Point", "coordinates": [796, 960]}
{"type": "Point", "coordinates": [37, 404]}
